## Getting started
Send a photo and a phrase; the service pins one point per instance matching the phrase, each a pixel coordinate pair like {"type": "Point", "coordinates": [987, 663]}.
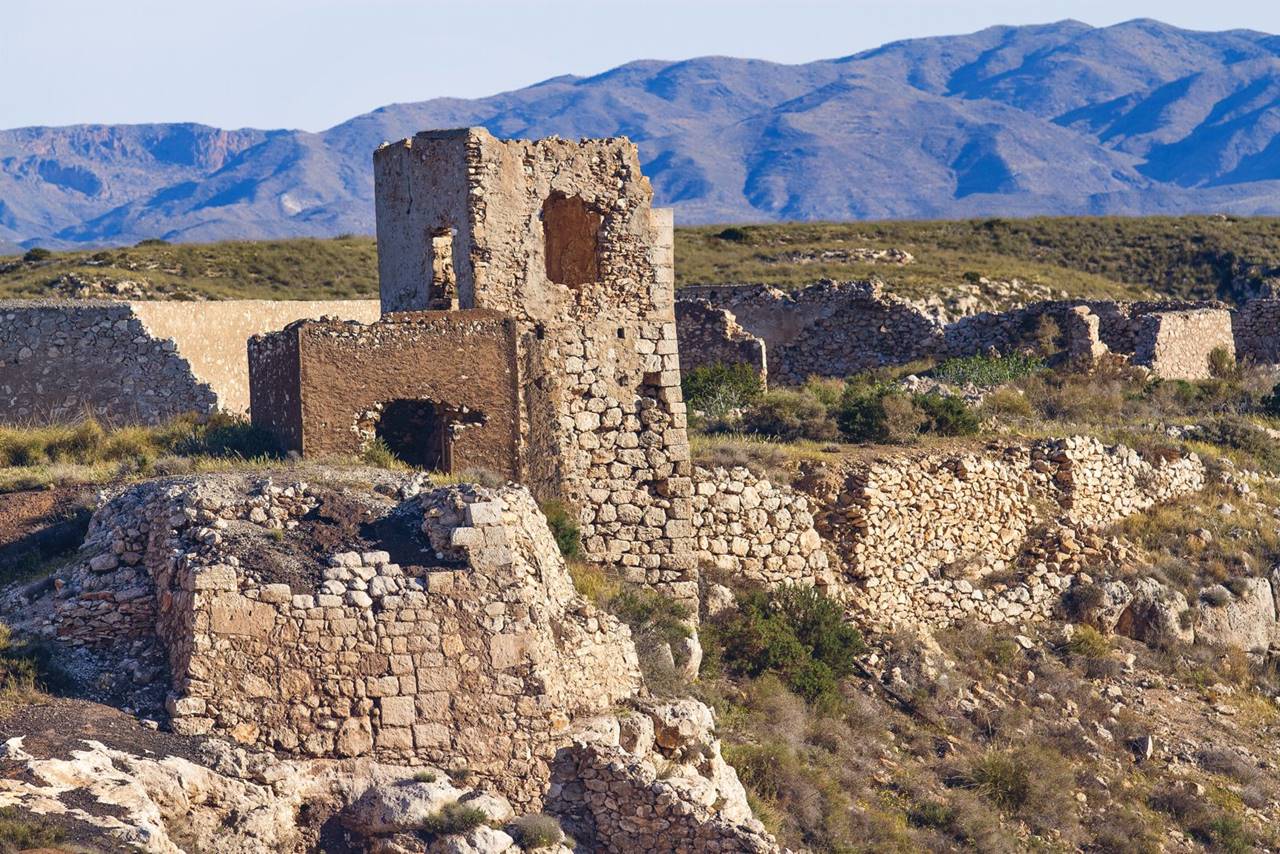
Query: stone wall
{"type": "Point", "coordinates": [827, 329]}
{"type": "Point", "coordinates": [60, 361]}
{"type": "Point", "coordinates": [918, 534]}
{"type": "Point", "coordinates": [139, 361]}
{"type": "Point", "coordinates": [840, 328]}
{"type": "Point", "coordinates": [1256, 328]}
{"type": "Point", "coordinates": [712, 336]}
{"type": "Point", "coordinates": [748, 528]}
{"type": "Point", "coordinates": [1177, 344]}
{"type": "Point", "coordinates": [331, 387]}
{"type": "Point", "coordinates": [482, 659]}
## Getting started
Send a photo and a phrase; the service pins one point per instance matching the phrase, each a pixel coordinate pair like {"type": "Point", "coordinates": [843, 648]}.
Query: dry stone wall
{"type": "Point", "coordinates": [712, 336]}
{"type": "Point", "coordinates": [140, 361]}
{"type": "Point", "coordinates": [841, 328]}
{"type": "Point", "coordinates": [1177, 345]}
{"type": "Point", "coordinates": [1256, 329]}
{"type": "Point", "coordinates": [748, 528]}
{"type": "Point", "coordinates": [483, 660]}
{"type": "Point", "coordinates": [919, 535]}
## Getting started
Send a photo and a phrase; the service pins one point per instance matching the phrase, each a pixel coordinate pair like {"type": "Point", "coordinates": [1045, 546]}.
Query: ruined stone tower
{"type": "Point", "coordinates": [559, 238]}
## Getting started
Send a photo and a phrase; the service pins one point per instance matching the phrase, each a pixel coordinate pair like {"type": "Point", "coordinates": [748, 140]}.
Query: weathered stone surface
{"type": "Point", "coordinates": [1245, 619]}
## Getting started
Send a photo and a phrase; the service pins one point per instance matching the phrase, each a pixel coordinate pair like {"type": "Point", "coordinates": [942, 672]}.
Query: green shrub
{"type": "Point", "coordinates": [719, 388]}
{"type": "Point", "coordinates": [1270, 405]}
{"type": "Point", "coordinates": [1087, 642]}
{"type": "Point", "coordinates": [21, 830]}
{"type": "Point", "coordinates": [379, 454]}
{"type": "Point", "coordinates": [151, 241]}
{"type": "Point", "coordinates": [947, 416]}
{"type": "Point", "coordinates": [564, 527]}
{"type": "Point", "coordinates": [37, 254]}
{"type": "Point", "coordinates": [988, 371]}
{"type": "Point", "coordinates": [1222, 364]}
{"type": "Point", "coordinates": [537, 831]}
{"type": "Point", "coordinates": [453, 818]}
{"type": "Point", "coordinates": [789, 415]}
{"type": "Point", "coordinates": [735, 235]}
{"type": "Point", "coordinates": [1238, 434]}
{"type": "Point", "coordinates": [1001, 778]}
{"type": "Point", "coordinates": [795, 632]}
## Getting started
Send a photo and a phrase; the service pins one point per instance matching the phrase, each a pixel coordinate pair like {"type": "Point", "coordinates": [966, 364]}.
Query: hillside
{"type": "Point", "coordinates": [1055, 119]}
{"type": "Point", "coordinates": [1200, 257]}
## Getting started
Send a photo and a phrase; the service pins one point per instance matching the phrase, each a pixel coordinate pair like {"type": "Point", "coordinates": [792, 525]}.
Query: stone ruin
{"type": "Point", "coordinates": [835, 329]}
{"type": "Point", "coordinates": [528, 325]}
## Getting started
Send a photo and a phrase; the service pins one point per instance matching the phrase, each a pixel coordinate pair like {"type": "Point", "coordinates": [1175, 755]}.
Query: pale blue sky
{"type": "Point", "coordinates": [313, 63]}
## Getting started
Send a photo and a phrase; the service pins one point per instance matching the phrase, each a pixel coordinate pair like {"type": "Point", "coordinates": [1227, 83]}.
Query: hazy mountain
{"type": "Point", "coordinates": [1062, 118]}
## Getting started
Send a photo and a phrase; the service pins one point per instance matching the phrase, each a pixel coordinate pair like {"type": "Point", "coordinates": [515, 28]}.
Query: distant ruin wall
{"type": "Point", "coordinates": [1178, 345]}
{"type": "Point", "coordinates": [137, 362]}
{"type": "Point", "coordinates": [1256, 329]}
{"type": "Point", "coordinates": [711, 336]}
{"type": "Point", "coordinates": [836, 329]}
{"type": "Point", "coordinates": [61, 361]}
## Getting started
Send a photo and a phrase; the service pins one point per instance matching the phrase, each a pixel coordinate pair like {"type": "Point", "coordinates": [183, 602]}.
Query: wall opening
{"type": "Point", "coordinates": [443, 294]}
{"type": "Point", "coordinates": [571, 232]}
{"type": "Point", "coordinates": [415, 432]}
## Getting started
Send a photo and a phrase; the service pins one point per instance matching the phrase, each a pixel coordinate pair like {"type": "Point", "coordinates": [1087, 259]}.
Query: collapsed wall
{"type": "Point", "coordinates": [933, 537]}
{"type": "Point", "coordinates": [469, 649]}
{"type": "Point", "coordinates": [711, 336]}
{"type": "Point", "coordinates": [835, 329]}
{"type": "Point", "coordinates": [137, 361]}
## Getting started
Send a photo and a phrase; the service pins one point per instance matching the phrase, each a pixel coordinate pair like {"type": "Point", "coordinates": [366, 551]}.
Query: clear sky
{"type": "Point", "coordinates": [313, 63]}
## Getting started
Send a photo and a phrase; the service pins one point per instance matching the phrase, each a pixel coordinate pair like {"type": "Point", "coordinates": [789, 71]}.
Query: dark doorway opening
{"type": "Point", "coordinates": [416, 432]}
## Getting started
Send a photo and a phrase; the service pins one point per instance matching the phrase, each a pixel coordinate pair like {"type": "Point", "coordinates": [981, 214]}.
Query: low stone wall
{"type": "Point", "coordinates": [140, 361]}
{"type": "Point", "coordinates": [482, 661]}
{"type": "Point", "coordinates": [710, 336]}
{"type": "Point", "coordinates": [61, 361]}
{"type": "Point", "coordinates": [748, 528]}
{"type": "Point", "coordinates": [827, 329]}
{"type": "Point", "coordinates": [1256, 329]}
{"type": "Point", "coordinates": [1177, 345]}
{"type": "Point", "coordinates": [919, 534]}
{"type": "Point", "coordinates": [840, 328]}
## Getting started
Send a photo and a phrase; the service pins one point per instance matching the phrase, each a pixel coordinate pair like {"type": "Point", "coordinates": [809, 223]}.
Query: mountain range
{"type": "Point", "coordinates": [1063, 118]}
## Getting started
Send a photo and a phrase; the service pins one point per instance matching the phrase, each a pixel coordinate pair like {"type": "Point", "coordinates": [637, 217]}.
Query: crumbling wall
{"type": "Point", "coordinates": [919, 534]}
{"type": "Point", "coordinates": [322, 386]}
{"type": "Point", "coordinates": [561, 236]}
{"type": "Point", "coordinates": [712, 336]}
{"type": "Point", "coordinates": [1255, 326]}
{"type": "Point", "coordinates": [749, 528]}
{"type": "Point", "coordinates": [139, 361]}
{"type": "Point", "coordinates": [483, 661]}
{"type": "Point", "coordinates": [62, 360]}
{"type": "Point", "coordinates": [1176, 345]}
{"type": "Point", "coordinates": [827, 329]}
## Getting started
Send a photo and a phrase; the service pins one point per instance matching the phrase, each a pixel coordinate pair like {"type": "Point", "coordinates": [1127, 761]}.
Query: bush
{"type": "Point", "coordinates": [36, 254]}
{"type": "Point", "coordinates": [735, 235]}
{"type": "Point", "coordinates": [453, 818]}
{"type": "Point", "coordinates": [1087, 642]}
{"type": "Point", "coordinates": [1002, 779]}
{"type": "Point", "coordinates": [152, 241]}
{"type": "Point", "coordinates": [1222, 364]}
{"type": "Point", "coordinates": [988, 371]}
{"type": "Point", "coordinates": [1238, 434]}
{"type": "Point", "coordinates": [379, 454]}
{"type": "Point", "coordinates": [795, 632]}
{"type": "Point", "coordinates": [947, 416]}
{"type": "Point", "coordinates": [564, 528]}
{"type": "Point", "coordinates": [20, 830]}
{"type": "Point", "coordinates": [789, 415]}
{"type": "Point", "coordinates": [719, 388]}
{"type": "Point", "coordinates": [537, 831]}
